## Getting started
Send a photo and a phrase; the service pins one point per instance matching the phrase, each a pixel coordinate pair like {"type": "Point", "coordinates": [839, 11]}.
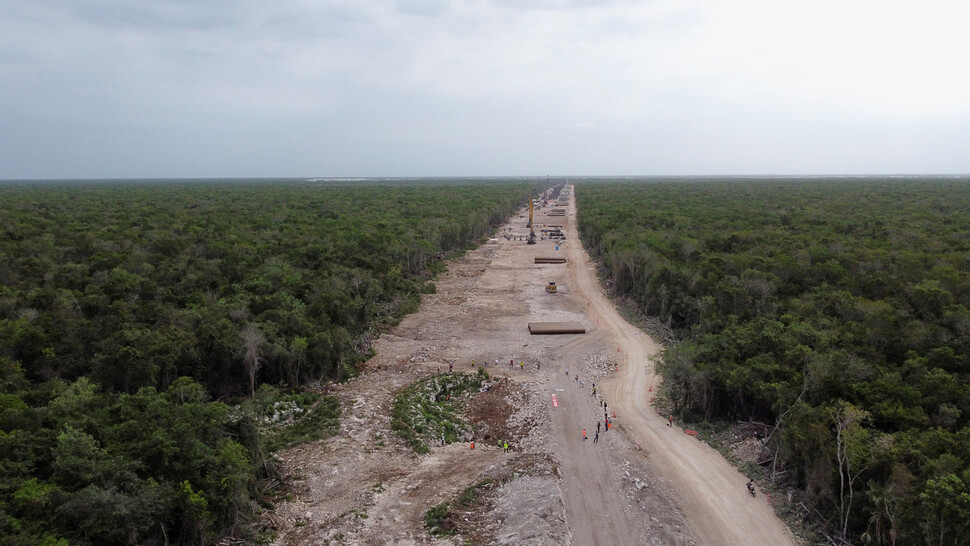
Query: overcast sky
{"type": "Point", "coordinates": [227, 88]}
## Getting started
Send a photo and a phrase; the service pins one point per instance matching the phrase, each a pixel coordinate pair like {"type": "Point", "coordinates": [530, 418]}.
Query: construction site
{"type": "Point", "coordinates": [570, 385]}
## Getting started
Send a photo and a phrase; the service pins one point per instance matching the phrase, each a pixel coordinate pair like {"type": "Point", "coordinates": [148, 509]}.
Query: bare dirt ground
{"type": "Point", "coordinates": [365, 486]}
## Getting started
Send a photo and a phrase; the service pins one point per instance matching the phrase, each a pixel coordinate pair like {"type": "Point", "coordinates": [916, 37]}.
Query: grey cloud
{"type": "Point", "coordinates": [426, 8]}
{"type": "Point", "coordinates": [428, 87]}
{"type": "Point", "coordinates": [556, 4]}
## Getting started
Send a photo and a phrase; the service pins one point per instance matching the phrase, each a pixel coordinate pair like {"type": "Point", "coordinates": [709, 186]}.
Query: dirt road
{"type": "Point", "coordinates": [716, 506]}
{"type": "Point", "coordinates": [366, 486]}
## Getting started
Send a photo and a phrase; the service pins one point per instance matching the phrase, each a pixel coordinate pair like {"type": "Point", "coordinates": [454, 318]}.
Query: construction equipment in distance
{"type": "Point", "coordinates": [551, 287]}
{"type": "Point", "coordinates": [554, 233]}
{"type": "Point", "coordinates": [532, 231]}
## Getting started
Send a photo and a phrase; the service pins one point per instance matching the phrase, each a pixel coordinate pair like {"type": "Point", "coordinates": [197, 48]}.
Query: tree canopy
{"type": "Point", "coordinates": [140, 323]}
{"type": "Point", "coordinates": [839, 308]}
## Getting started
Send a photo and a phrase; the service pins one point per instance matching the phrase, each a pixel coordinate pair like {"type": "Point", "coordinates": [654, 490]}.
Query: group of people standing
{"type": "Point", "coordinates": [603, 425]}
{"type": "Point", "coordinates": [511, 364]}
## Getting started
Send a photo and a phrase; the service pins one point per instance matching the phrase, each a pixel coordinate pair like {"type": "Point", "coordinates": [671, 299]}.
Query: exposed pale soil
{"type": "Point", "coordinates": [365, 486]}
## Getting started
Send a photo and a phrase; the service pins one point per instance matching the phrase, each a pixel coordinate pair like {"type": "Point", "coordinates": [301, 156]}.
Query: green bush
{"type": "Point", "coordinates": [426, 409]}
{"type": "Point", "coordinates": [436, 520]}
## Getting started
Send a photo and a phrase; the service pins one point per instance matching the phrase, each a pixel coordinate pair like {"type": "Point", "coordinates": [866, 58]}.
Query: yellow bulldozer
{"type": "Point", "coordinates": [551, 287]}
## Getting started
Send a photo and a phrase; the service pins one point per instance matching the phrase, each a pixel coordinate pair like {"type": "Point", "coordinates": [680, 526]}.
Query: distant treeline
{"type": "Point", "coordinates": [126, 307]}
{"type": "Point", "coordinates": [838, 310]}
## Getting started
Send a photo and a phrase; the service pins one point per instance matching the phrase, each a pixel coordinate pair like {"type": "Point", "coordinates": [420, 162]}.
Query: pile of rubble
{"type": "Point", "coordinates": [745, 441]}
{"type": "Point", "coordinates": [653, 495]}
{"type": "Point", "coordinates": [748, 450]}
{"type": "Point", "coordinates": [497, 516]}
{"type": "Point", "coordinates": [529, 418]}
{"type": "Point", "coordinates": [598, 365]}
{"type": "Point", "coordinates": [424, 354]}
{"type": "Point", "coordinates": [509, 411]}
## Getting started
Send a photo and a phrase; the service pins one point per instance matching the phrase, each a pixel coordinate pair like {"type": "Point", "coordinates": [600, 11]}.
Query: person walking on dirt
{"type": "Point", "coordinates": [596, 437]}
{"type": "Point", "coordinates": [584, 435]}
{"type": "Point", "coordinates": [505, 446]}
{"type": "Point", "coordinates": [442, 439]}
{"type": "Point", "coordinates": [670, 421]}
{"type": "Point", "coordinates": [451, 367]}
{"type": "Point", "coordinates": [567, 371]}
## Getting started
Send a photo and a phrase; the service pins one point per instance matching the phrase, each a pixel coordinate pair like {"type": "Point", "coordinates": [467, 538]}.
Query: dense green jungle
{"type": "Point", "coordinates": [835, 311]}
{"type": "Point", "coordinates": [155, 336]}
{"type": "Point", "coordinates": [159, 340]}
